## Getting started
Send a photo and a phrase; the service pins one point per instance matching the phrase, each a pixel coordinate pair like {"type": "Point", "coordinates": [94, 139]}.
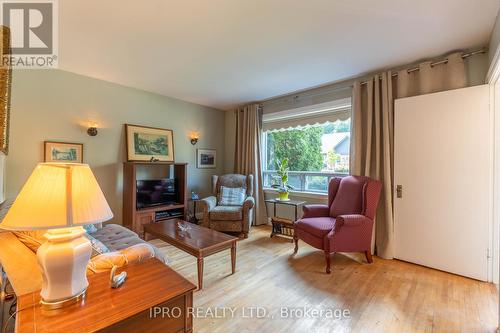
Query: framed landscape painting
{"type": "Point", "coordinates": [63, 152]}
{"type": "Point", "coordinates": [206, 158]}
{"type": "Point", "coordinates": [149, 144]}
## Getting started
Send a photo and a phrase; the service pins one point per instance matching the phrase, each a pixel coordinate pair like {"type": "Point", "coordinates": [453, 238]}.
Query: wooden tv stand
{"type": "Point", "coordinates": [134, 218]}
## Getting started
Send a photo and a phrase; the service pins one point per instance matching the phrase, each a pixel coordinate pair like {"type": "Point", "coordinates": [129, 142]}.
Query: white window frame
{"type": "Point", "coordinates": [297, 113]}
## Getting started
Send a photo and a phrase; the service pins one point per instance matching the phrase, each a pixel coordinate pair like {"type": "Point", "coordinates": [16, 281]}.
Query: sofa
{"type": "Point", "coordinates": [226, 218]}
{"type": "Point", "coordinates": [20, 264]}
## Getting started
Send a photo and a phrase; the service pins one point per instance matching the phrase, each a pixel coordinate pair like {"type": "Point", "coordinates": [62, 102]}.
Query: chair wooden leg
{"type": "Point", "coordinates": [368, 255]}
{"type": "Point", "coordinates": [296, 240]}
{"type": "Point", "coordinates": [327, 259]}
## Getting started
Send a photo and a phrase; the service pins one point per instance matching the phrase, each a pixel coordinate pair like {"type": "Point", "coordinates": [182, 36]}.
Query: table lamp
{"type": "Point", "coordinates": [60, 197]}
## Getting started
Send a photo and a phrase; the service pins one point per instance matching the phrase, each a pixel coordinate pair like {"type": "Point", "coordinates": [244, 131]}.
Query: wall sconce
{"type": "Point", "coordinates": [92, 130]}
{"type": "Point", "coordinates": [194, 138]}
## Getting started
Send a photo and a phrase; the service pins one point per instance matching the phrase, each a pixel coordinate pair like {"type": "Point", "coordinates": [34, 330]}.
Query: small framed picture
{"type": "Point", "coordinates": [206, 158]}
{"type": "Point", "coordinates": [149, 144]}
{"type": "Point", "coordinates": [63, 152]}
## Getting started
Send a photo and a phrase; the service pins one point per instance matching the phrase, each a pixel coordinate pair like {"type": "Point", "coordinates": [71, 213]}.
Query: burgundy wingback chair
{"type": "Point", "coordinates": [346, 223]}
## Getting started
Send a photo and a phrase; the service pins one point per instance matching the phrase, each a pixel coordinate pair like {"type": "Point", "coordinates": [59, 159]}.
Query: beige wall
{"type": "Point", "coordinates": [57, 105]}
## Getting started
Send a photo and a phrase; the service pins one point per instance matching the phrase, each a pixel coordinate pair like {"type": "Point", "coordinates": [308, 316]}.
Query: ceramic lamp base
{"type": "Point", "coordinates": [66, 302]}
{"type": "Point", "coordinates": [63, 260]}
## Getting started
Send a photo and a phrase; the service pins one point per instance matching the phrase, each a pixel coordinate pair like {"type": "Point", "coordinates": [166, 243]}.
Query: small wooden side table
{"type": "Point", "coordinates": [283, 226]}
{"type": "Point", "coordinates": [194, 219]}
{"type": "Point", "coordinates": [150, 286]}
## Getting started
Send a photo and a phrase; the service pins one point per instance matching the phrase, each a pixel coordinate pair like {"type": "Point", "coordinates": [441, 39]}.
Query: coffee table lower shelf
{"type": "Point", "coordinates": [197, 241]}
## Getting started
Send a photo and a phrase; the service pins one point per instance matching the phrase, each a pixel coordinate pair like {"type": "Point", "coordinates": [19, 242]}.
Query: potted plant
{"type": "Point", "coordinates": [282, 171]}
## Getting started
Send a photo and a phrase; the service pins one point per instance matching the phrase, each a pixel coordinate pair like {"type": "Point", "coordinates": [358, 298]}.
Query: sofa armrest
{"type": "Point", "coordinates": [207, 205]}
{"type": "Point", "coordinates": [315, 211]}
{"type": "Point", "coordinates": [248, 204]}
{"type": "Point", "coordinates": [130, 255]}
{"type": "Point", "coordinates": [20, 264]}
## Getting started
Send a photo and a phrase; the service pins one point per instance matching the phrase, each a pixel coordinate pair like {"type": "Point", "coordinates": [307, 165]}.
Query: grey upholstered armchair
{"type": "Point", "coordinates": [229, 218]}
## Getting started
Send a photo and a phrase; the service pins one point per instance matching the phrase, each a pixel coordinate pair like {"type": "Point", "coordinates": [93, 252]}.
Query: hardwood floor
{"type": "Point", "coordinates": [386, 296]}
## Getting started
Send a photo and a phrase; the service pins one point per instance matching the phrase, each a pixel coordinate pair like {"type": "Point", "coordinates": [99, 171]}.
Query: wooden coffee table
{"type": "Point", "coordinates": [197, 241]}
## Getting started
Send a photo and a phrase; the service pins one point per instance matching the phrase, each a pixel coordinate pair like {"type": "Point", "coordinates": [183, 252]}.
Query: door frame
{"type": "Point", "coordinates": [493, 79]}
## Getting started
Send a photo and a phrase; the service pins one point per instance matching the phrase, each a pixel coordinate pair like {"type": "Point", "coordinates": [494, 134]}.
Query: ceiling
{"type": "Point", "coordinates": [222, 53]}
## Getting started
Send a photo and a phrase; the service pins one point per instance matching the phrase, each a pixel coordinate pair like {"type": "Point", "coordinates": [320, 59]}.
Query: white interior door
{"type": "Point", "coordinates": [443, 161]}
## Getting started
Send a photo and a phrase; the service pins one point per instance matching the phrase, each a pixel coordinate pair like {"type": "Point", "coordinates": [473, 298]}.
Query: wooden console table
{"type": "Point", "coordinates": [126, 309]}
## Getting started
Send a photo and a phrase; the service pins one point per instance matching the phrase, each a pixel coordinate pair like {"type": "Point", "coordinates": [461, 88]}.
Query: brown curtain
{"type": "Point", "coordinates": [372, 152]}
{"type": "Point", "coordinates": [247, 154]}
{"type": "Point", "coordinates": [429, 79]}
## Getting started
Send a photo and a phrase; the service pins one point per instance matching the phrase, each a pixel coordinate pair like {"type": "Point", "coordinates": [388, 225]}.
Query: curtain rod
{"type": "Point", "coordinates": [444, 61]}
{"type": "Point", "coordinates": [334, 89]}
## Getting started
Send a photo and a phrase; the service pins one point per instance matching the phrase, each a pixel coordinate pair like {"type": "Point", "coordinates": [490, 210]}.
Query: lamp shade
{"type": "Point", "coordinates": [58, 195]}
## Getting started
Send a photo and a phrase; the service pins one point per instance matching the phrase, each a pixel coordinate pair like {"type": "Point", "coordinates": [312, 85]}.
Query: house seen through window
{"type": "Point", "coordinates": [315, 153]}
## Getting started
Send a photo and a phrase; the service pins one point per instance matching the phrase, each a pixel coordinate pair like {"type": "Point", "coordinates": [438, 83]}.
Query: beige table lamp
{"type": "Point", "coordinates": [61, 198]}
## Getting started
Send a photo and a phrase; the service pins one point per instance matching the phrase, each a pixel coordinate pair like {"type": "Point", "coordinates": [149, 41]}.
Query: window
{"type": "Point", "coordinates": [316, 152]}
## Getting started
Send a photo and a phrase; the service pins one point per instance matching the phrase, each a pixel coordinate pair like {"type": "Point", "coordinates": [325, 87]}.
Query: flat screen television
{"type": "Point", "coordinates": [155, 192]}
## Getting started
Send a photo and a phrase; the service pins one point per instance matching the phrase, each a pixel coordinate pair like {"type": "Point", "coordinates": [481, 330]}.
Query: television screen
{"type": "Point", "coordinates": [155, 192]}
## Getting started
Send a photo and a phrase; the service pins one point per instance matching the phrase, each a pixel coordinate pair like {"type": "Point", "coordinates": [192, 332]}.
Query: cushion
{"type": "Point", "coordinates": [31, 239]}
{"type": "Point", "coordinates": [232, 196]}
{"type": "Point", "coordinates": [130, 255]}
{"type": "Point", "coordinates": [113, 232]}
{"type": "Point", "coordinates": [317, 226]}
{"type": "Point", "coordinates": [349, 197]}
{"type": "Point", "coordinates": [98, 247]}
{"type": "Point", "coordinates": [227, 213]}
{"type": "Point", "coordinates": [123, 243]}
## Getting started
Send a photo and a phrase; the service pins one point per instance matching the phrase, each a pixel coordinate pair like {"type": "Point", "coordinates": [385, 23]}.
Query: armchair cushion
{"type": "Point", "coordinates": [349, 197]}
{"type": "Point", "coordinates": [232, 196]}
{"type": "Point", "coordinates": [227, 213]}
{"type": "Point", "coordinates": [316, 226]}
{"type": "Point", "coordinates": [315, 211]}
